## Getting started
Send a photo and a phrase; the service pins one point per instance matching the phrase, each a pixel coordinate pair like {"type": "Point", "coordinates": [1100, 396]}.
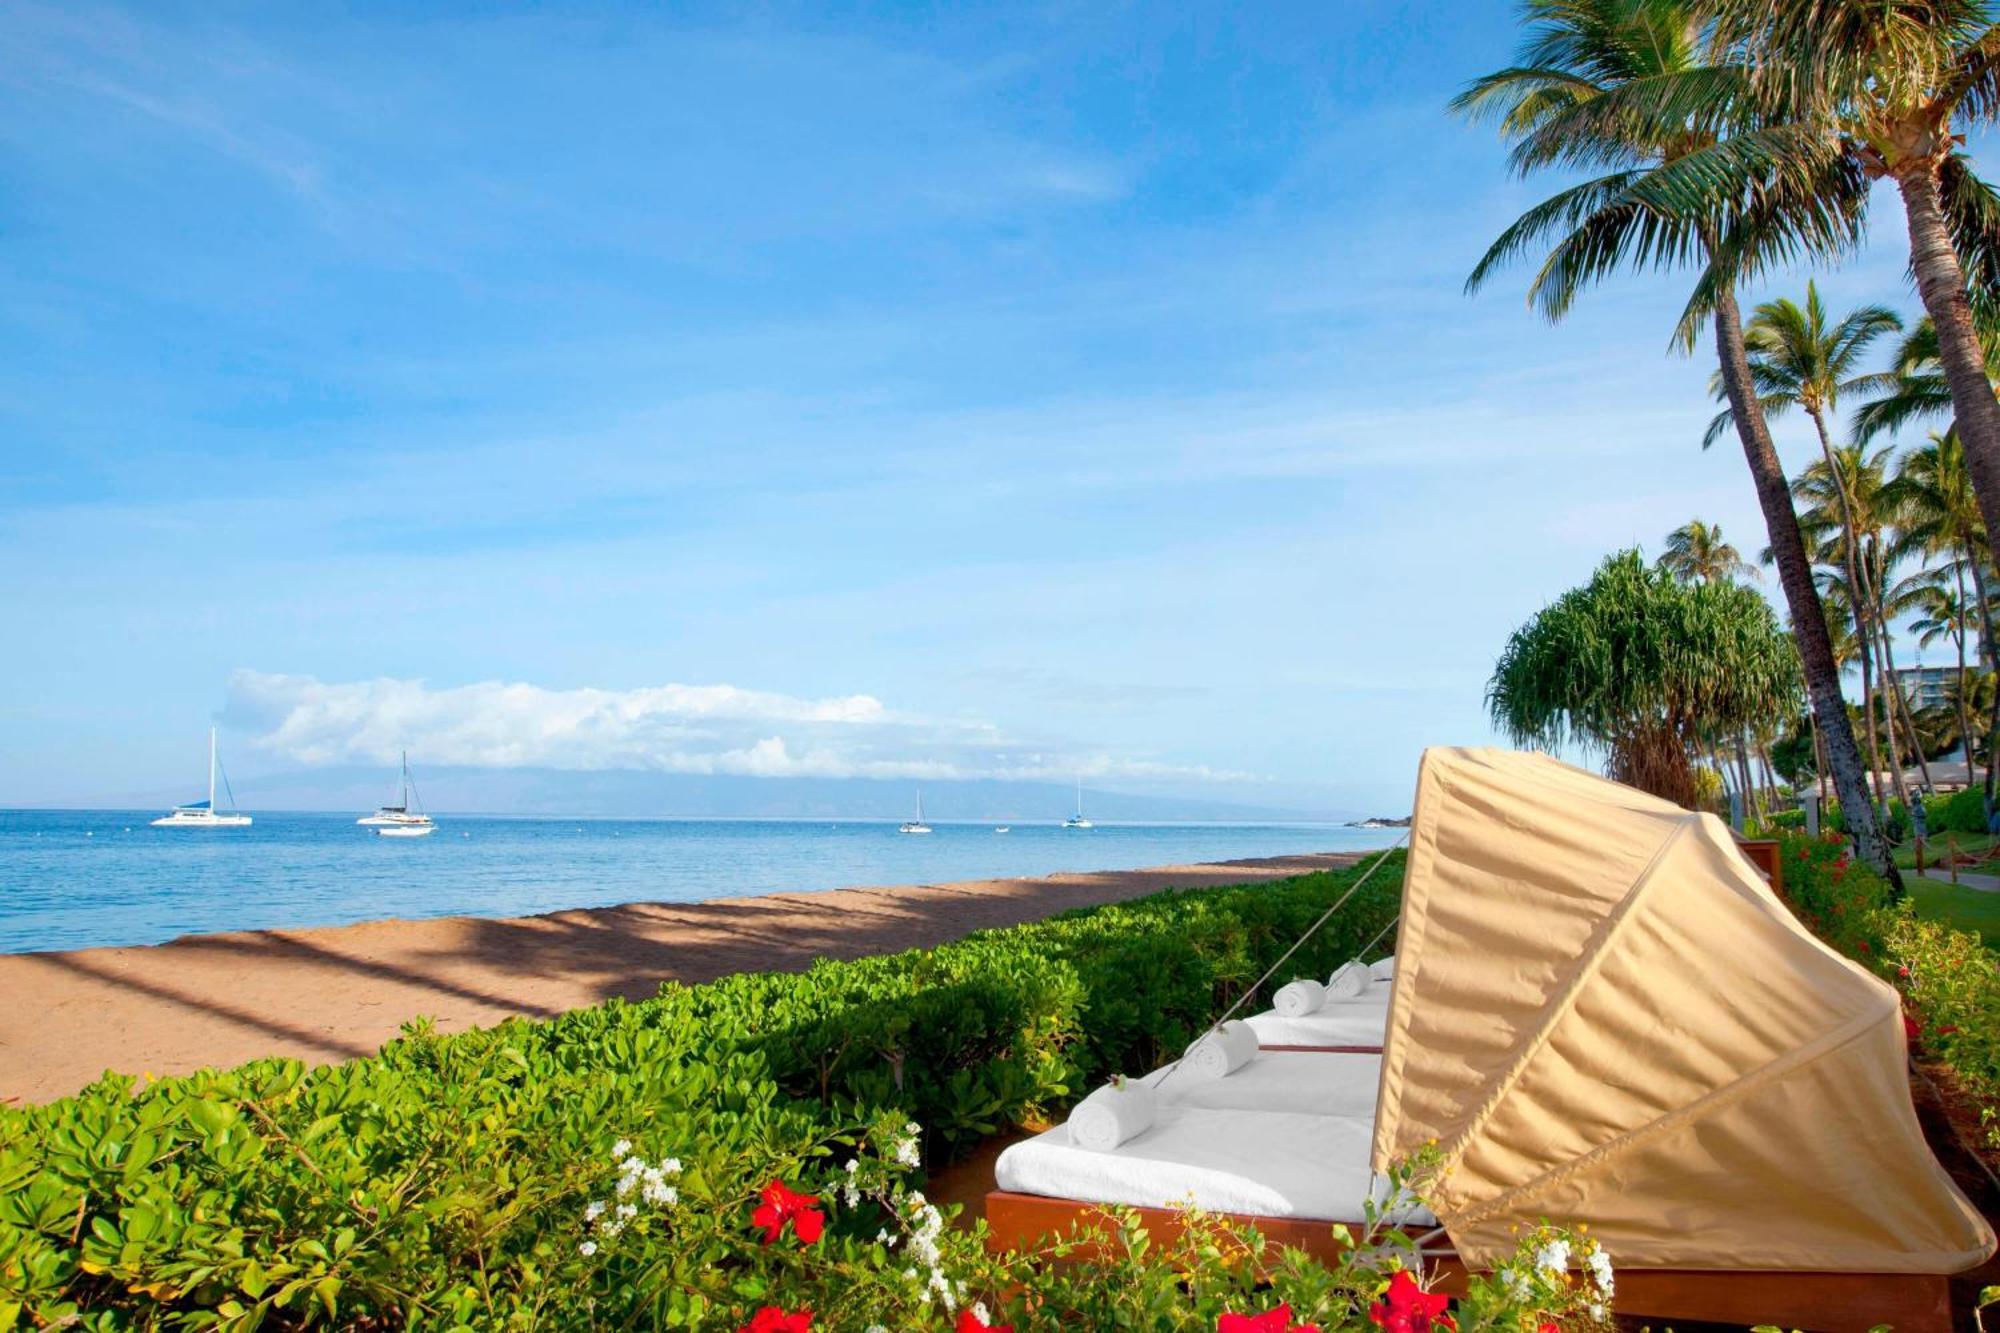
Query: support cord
{"type": "Point", "coordinates": [1310, 931]}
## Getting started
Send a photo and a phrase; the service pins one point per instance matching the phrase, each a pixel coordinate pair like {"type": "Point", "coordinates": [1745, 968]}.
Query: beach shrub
{"type": "Point", "coordinates": [1948, 978]}
{"type": "Point", "coordinates": [446, 1182]}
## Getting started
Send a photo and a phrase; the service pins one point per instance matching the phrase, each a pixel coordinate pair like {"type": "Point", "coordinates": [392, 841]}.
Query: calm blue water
{"type": "Point", "coordinates": [72, 879]}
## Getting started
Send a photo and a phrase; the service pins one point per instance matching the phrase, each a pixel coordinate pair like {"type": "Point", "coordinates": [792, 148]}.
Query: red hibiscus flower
{"type": "Point", "coordinates": [771, 1319]}
{"type": "Point", "coordinates": [1944, 1030]}
{"type": "Point", "coordinates": [781, 1206]}
{"type": "Point", "coordinates": [1903, 972]}
{"type": "Point", "coordinates": [1408, 1308]}
{"type": "Point", "coordinates": [1271, 1321]}
{"type": "Point", "coordinates": [1911, 1030]}
{"type": "Point", "coordinates": [968, 1322]}
{"type": "Point", "coordinates": [1547, 1326]}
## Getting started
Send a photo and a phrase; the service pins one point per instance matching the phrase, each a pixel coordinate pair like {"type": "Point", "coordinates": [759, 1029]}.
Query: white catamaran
{"type": "Point", "coordinates": [405, 820]}
{"type": "Point", "coordinates": [1077, 820]}
{"type": "Point", "coordinates": [203, 814]}
{"type": "Point", "coordinates": [917, 825]}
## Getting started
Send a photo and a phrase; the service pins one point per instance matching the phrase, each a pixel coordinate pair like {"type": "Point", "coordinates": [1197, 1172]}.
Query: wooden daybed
{"type": "Point", "coordinates": [1602, 1013]}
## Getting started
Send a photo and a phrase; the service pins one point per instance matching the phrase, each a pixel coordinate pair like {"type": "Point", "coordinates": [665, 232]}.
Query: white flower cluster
{"type": "Point", "coordinates": [926, 1225]}
{"type": "Point", "coordinates": [635, 1175]}
{"type": "Point", "coordinates": [1553, 1257]}
{"type": "Point", "coordinates": [907, 1152]}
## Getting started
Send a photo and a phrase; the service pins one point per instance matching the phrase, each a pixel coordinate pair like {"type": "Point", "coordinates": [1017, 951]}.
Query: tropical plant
{"type": "Point", "coordinates": [1846, 499]}
{"type": "Point", "coordinates": [1914, 388]}
{"type": "Point", "coordinates": [1941, 612]}
{"type": "Point", "coordinates": [1939, 515]}
{"type": "Point", "coordinates": [1799, 358]}
{"type": "Point", "coordinates": [1645, 667]}
{"type": "Point", "coordinates": [1890, 86]}
{"type": "Point", "coordinates": [1624, 88]}
{"type": "Point", "coordinates": [1697, 553]}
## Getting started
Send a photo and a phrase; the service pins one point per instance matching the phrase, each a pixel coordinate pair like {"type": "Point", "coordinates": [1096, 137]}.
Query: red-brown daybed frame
{"type": "Point", "coordinates": [1827, 1302]}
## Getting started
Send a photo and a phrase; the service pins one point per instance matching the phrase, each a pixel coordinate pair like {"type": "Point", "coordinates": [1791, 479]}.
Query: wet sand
{"type": "Point", "coordinates": [331, 994]}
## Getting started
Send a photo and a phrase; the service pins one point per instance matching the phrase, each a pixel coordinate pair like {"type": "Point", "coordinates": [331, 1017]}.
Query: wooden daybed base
{"type": "Point", "coordinates": [1823, 1302]}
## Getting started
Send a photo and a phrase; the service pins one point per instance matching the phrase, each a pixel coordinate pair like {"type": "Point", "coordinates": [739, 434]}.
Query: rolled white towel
{"type": "Point", "coordinates": [1383, 968]}
{"type": "Point", "coordinates": [1348, 983]}
{"type": "Point", "coordinates": [1296, 999]}
{"type": "Point", "coordinates": [1112, 1114]}
{"type": "Point", "coordinates": [1222, 1052]}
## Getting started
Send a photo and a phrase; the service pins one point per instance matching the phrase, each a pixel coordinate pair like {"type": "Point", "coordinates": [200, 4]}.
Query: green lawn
{"type": "Point", "coordinates": [1965, 844]}
{"type": "Point", "coordinates": [1956, 905]}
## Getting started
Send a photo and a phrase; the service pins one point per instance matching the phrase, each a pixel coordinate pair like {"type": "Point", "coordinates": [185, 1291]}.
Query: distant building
{"type": "Point", "coordinates": [1926, 687]}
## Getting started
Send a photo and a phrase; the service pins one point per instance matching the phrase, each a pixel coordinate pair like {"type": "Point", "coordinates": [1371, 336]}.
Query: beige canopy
{"type": "Point", "coordinates": [1603, 1014]}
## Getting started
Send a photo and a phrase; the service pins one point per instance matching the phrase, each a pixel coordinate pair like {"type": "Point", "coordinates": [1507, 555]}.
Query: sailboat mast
{"type": "Point", "coordinates": [211, 770]}
{"type": "Point", "coordinates": [406, 780]}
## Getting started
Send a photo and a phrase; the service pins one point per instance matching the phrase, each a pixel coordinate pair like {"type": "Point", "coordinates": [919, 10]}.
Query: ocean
{"type": "Point", "coordinates": [72, 879]}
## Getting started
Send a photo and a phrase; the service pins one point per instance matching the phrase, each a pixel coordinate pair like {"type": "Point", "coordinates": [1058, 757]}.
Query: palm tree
{"type": "Point", "coordinates": [1696, 553]}
{"type": "Point", "coordinates": [1938, 515]}
{"type": "Point", "coordinates": [1847, 503]}
{"type": "Point", "coordinates": [1647, 667]}
{"type": "Point", "coordinates": [1914, 389]}
{"type": "Point", "coordinates": [1943, 613]}
{"type": "Point", "coordinates": [1890, 86]}
{"type": "Point", "coordinates": [1799, 359]}
{"type": "Point", "coordinates": [1621, 87]}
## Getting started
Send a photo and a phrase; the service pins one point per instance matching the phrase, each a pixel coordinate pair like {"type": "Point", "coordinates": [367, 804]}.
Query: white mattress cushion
{"type": "Point", "coordinates": [1310, 1082]}
{"type": "Point", "coordinates": [1357, 1022]}
{"type": "Point", "coordinates": [1262, 1163]}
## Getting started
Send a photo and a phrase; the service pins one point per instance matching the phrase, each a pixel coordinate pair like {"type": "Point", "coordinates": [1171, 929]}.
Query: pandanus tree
{"type": "Point", "coordinates": [1890, 86]}
{"type": "Point", "coordinates": [1696, 552]}
{"type": "Point", "coordinates": [1625, 90]}
{"type": "Point", "coordinates": [1643, 666]}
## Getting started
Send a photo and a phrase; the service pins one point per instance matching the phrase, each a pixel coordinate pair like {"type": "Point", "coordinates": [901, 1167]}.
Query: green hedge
{"type": "Point", "coordinates": [441, 1183]}
{"type": "Point", "coordinates": [1950, 981]}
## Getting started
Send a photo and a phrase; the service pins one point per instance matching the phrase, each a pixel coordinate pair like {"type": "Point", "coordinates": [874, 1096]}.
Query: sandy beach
{"type": "Point", "coordinates": [334, 993]}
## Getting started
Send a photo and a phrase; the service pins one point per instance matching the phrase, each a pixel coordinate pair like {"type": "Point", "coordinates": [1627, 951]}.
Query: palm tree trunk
{"type": "Point", "coordinates": [1864, 641]}
{"type": "Point", "coordinates": [1991, 649]}
{"type": "Point", "coordinates": [1819, 756]}
{"type": "Point", "coordinates": [1743, 783]}
{"type": "Point", "coordinates": [1964, 678]}
{"type": "Point", "coordinates": [1774, 497]}
{"type": "Point", "coordinates": [1941, 283]}
{"type": "Point", "coordinates": [1901, 701]}
{"type": "Point", "coordinates": [1861, 597]}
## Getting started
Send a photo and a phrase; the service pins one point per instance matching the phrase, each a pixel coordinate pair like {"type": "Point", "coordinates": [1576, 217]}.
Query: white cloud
{"type": "Point", "coordinates": [707, 729]}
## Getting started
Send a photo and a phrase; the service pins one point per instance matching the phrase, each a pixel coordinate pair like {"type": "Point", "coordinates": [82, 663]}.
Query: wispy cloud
{"type": "Point", "coordinates": [702, 729]}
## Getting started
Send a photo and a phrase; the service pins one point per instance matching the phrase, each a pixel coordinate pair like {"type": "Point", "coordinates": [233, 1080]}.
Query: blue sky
{"type": "Point", "coordinates": [930, 391]}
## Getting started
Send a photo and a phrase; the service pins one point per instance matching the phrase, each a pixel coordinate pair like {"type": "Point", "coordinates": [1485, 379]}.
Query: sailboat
{"type": "Point", "coordinates": [917, 825]}
{"type": "Point", "coordinates": [203, 814]}
{"type": "Point", "coordinates": [401, 821]}
{"type": "Point", "coordinates": [1077, 820]}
